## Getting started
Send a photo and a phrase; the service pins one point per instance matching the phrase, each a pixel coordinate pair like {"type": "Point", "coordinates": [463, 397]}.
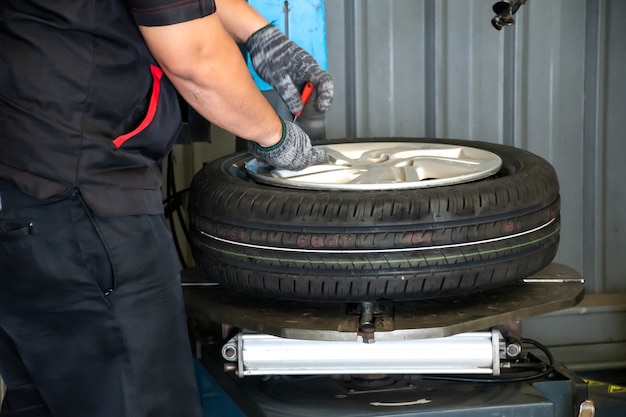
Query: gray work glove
{"type": "Point", "coordinates": [293, 152]}
{"type": "Point", "coordinates": [286, 67]}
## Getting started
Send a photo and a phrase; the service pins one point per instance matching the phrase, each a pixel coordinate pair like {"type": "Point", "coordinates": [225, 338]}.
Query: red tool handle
{"type": "Point", "coordinates": [306, 94]}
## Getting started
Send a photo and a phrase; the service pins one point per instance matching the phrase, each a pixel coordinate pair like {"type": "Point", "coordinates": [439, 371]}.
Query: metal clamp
{"type": "Point", "coordinates": [504, 11]}
{"type": "Point", "coordinates": [587, 409]}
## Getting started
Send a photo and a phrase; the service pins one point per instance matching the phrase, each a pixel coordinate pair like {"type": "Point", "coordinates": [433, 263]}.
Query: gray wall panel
{"type": "Point", "coordinates": [382, 88]}
{"type": "Point", "coordinates": [554, 44]}
{"type": "Point", "coordinates": [614, 140]}
{"type": "Point", "coordinates": [593, 228]}
{"type": "Point", "coordinates": [470, 74]}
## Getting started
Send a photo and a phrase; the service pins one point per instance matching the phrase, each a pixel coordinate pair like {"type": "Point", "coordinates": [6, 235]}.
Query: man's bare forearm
{"type": "Point", "coordinates": [203, 62]}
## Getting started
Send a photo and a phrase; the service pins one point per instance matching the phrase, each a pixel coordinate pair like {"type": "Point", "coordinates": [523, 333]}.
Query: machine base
{"type": "Point", "coordinates": [559, 394]}
{"type": "Point", "coordinates": [216, 314]}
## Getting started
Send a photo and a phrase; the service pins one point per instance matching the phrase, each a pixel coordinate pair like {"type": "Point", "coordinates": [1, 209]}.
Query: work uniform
{"type": "Point", "coordinates": [91, 315]}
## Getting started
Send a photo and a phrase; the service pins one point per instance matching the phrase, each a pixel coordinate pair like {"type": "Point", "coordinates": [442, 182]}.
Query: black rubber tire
{"type": "Point", "coordinates": [375, 245]}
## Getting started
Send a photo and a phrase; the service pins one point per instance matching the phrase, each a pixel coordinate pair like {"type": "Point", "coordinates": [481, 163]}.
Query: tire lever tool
{"type": "Point", "coordinates": [306, 95]}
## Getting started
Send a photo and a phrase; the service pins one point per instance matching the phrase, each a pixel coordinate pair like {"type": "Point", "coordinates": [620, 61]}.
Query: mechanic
{"type": "Point", "coordinates": [92, 320]}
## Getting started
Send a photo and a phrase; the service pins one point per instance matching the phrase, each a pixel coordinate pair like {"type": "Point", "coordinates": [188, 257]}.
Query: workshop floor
{"type": "Point", "coordinates": [611, 376]}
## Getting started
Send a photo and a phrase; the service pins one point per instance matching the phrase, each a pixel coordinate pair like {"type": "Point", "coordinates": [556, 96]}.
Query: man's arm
{"type": "Point", "coordinates": [202, 60]}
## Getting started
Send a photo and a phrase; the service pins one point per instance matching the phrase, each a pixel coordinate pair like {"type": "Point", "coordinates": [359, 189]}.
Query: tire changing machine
{"type": "Point", "coordinates": [450, 357]}
{"type": "Point", "coordinates": [453, 357]}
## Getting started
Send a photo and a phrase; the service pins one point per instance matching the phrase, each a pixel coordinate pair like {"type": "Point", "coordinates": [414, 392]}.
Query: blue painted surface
{"type": "Point", "coordinates": [215, 401]}
{"type": "Point", "coordinates": [303, 21]}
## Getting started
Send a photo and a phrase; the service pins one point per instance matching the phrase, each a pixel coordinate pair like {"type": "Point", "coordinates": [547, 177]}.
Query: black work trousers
{"type": "Point", "coordinates": [92, 321]}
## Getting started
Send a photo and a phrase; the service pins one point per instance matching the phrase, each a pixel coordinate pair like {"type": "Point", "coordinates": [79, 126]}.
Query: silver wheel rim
{"type": "Point", "coordinates": [384, 166]}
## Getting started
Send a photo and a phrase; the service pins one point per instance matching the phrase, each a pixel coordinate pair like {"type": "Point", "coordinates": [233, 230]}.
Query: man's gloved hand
{"type": "Point", "coordinates": [286, 67]}
{"type": "Point", "coordinates": [293, 152]}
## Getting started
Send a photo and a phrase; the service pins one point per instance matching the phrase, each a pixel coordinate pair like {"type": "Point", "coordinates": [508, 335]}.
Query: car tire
{"type": "Point", "coordinates": [409, 244]}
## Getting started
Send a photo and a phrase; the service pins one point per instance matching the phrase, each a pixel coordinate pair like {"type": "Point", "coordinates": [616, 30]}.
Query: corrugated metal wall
{"type": "Point", "coordinates": [553, 84]}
